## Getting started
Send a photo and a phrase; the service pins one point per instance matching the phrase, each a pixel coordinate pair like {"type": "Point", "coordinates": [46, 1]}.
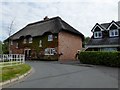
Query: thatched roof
{"type": "Point", "coordinates": [53, 25]}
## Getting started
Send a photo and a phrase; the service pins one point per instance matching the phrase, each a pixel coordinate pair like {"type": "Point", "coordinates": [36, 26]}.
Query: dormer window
{"type": "Point", "coordinates": [113, 33]}
{"type": "Point", "coordinates": [16, 45]}
{"type": "Point", "coordinates": [25, 40]}
{"type": "Point", "coordinates": [30, 40]}
{"type": "Point", "coordinates": [50, 37]}
{"type": "Point", "coordinates": [40, 43]}
{"type": "Point", "coordinates": [113, 26]}
{"type": "Point", "coordinates": [98, 34]}
{"type": "Point", "coordinates": [11, 43]}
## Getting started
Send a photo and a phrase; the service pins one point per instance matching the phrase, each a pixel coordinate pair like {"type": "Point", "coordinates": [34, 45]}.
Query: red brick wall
{"type": "Point", "coordinates": [68, 44]}
{"type": "Point", "coordinates": [16, 50]}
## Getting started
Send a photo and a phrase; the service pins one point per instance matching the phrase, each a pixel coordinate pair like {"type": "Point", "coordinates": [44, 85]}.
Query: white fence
{"type": "Point", "coordinates": [11, 59]}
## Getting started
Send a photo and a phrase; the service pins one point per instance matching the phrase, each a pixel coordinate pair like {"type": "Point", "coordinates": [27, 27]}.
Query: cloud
{"type": "Point", "coordinates": [81, 14]}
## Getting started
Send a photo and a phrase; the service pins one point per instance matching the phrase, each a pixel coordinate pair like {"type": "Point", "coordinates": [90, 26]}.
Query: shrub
{"type": "Point", "coordinates": [100, 58]}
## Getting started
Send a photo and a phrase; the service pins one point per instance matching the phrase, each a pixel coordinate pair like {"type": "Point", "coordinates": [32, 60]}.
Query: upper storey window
{"type": "Point", "coordinates": [30, 40]}
{"type": "Point", "coordinates": [113, 33]}
{"type": "Point", "coordinates": [50, 37]}
{"type": "Point", "coordinates": [25, 41]}
{"type": "Point", "coordinates": [11, 43]}
{"type": "Point", "coordinates": [98, 34]}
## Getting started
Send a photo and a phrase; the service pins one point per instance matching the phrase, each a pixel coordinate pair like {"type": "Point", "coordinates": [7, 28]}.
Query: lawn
{"type": "Point", "coordinates": [2, 64]}
{"type": "Point", "coordinates": [10, 72]}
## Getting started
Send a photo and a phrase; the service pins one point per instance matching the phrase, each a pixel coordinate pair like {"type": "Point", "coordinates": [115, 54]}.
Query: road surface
{"type": "Point", "coordinates": [56, 75]}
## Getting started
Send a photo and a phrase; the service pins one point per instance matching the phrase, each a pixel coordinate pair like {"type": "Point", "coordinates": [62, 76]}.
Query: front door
{"type": "Point", "coordinates": [27, 54]}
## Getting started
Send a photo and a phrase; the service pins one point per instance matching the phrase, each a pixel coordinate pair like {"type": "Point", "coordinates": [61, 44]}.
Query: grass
{"type": "Point", "coordinates": [10, 72]}
{"type": "Point", "coordinates": [9, 63]}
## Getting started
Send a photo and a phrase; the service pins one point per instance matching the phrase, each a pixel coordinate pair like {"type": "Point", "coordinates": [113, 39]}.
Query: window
{"type": "Point", "coordinates": [11, 43]}
{"type": "Point", "coordinates": [50, 51]}
{"type": "Point", "coordinates": [16, 45]}
{"type": "Point", "coordinates": [30, 40]}
{"type": "Point", "coordinates": [40, 43]}
{"type": "Point", "coordinates": [24, 41]}
{"type": "Point", "coordinates": [108, 49]}
{"type": "Point", "coordinates": [113, 33]}
{"type": "Point", "coordinates": [50, 37]}
{"type": "Point", "coordinates": [98, 34]}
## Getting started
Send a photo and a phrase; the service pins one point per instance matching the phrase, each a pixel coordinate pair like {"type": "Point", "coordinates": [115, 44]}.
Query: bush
{"type": "Point", "coordinates": [100, 58]}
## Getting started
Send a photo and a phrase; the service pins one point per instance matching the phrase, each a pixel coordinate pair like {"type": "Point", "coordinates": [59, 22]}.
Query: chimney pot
{"type": "Point", "coordinates": [46, 18]}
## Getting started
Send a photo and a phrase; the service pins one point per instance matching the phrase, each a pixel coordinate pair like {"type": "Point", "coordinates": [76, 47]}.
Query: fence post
{"type": "Point", "coordinates": [18, 58]}
{"type": "Point", "coordinates": [23, 58]}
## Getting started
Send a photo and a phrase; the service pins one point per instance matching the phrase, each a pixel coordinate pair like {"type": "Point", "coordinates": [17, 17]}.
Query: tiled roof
{"type": "Point", "coordinates": [105, 25]}
{"type": "Point", "coordinates": [104, 41]}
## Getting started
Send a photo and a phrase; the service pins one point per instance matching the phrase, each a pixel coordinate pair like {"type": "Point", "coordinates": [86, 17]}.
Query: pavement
{"type": "Point", "coordinates": [55, 74]}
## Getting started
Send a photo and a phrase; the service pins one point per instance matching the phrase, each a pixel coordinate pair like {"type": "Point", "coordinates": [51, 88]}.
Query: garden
{"type": "Point", "coordinates": [12, 66]}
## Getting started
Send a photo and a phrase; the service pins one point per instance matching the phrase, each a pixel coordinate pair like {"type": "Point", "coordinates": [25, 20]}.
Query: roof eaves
{"type": "Point", "coordinates": [111, 23]}
{"type": "Point", "coordinates": [99, 26]}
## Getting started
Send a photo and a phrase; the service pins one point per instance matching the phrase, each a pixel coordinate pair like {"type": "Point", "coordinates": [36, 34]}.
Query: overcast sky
{"type": "Point", "coordinates": [81, 14]}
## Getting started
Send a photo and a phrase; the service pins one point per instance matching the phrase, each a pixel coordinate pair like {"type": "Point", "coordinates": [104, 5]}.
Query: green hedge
{"type": "Point", "coordinates": [100, 58]}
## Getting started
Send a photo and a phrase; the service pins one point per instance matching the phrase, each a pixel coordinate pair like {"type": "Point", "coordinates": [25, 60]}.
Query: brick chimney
{"type": "Point", "coordinates": [46, 18]}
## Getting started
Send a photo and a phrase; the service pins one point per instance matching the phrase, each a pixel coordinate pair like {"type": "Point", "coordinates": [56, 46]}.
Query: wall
{"type": "Point", "coordinates": [16, 50]}
{"type": "Point", "coordinates": [34, 46]}
{"type": "Point", "coordinates": [68, 44]}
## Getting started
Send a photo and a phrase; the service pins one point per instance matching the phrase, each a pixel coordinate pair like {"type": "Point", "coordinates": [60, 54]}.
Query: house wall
{"type": "Point", "coordinates": [34, 46]}
{"type": "Point", "coordinates": [68, 44]}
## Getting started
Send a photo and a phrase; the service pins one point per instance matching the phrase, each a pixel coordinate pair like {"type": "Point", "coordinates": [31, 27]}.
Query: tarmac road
{"type": "Point", "coordinates": [56, 75]}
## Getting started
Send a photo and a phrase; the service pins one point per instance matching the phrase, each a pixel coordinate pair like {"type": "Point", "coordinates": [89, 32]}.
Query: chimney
{"type": "Point", "coordinates": [46, 18]}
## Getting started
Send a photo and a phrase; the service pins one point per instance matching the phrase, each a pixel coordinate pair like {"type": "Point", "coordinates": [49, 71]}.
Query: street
{"type": "Point", "coordinates": [55, 75]}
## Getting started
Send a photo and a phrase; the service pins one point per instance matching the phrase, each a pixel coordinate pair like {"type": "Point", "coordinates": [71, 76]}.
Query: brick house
{"type": "Point", "coordinates": [106, 37]}
{"type": "Point", "coordinates": [49, 39]}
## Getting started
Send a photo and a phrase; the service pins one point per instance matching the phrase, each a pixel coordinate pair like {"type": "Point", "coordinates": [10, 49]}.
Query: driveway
{"type": "Point", "coordinates": [56, 75]}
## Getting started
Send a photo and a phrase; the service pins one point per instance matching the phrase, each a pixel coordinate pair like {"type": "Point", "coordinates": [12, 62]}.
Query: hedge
{"type": "Point", "coordinates": [100, 58]}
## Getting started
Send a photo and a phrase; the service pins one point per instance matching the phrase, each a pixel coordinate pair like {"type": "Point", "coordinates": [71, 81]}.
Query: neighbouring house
{"type": "Point", "coordinates": [106, 37]}
{"type": "Point", "coordinates": [49, 39]}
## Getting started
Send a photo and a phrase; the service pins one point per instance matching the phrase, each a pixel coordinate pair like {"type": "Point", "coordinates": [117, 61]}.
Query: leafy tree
{"type": "Point", "coordinates": [5, 47]}
{"type": "Point", "coordinates": [86, 41]}
{"type": "Point", "coordinates": [0, 47]}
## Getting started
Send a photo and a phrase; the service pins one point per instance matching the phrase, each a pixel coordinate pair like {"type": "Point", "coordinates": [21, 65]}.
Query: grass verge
{"type": "Point", "coordinates": [10, 72]}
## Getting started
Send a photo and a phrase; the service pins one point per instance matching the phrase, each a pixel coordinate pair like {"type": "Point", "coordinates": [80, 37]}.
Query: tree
{"type": "Point", "coordinates": [5, 47]}
{"type": "Point", "coordinates": [86, 41]}
{"type": "Point", "coordinates": [1, 47]}
{"type": "Point", "coordinates": [9, 34]}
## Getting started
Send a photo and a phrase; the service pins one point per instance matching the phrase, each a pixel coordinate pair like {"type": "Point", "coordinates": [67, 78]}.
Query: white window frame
{"type": "Point", "coordinates": [98, 32]}
{"type": "Point", "coordinates": [40, 43]}
{"type": "Point", "coordinates": [16, 45]}
{"type": "Point", "coordinates": [50, 37]}
{"type": "Point", "coordinates": [114, 33]}
{"type": "Point", "coordinates": [11, 42]}
{"type": "Point", "coordinates": [50, 51]}
{"type": "Point", "coordinates": [25, 41]}
{"type": "Point", "coordinates": [30, 40]}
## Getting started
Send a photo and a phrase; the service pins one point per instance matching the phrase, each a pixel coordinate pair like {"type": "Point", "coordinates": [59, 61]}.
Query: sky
{"type": "Point", "coordinates": [80, 14]}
